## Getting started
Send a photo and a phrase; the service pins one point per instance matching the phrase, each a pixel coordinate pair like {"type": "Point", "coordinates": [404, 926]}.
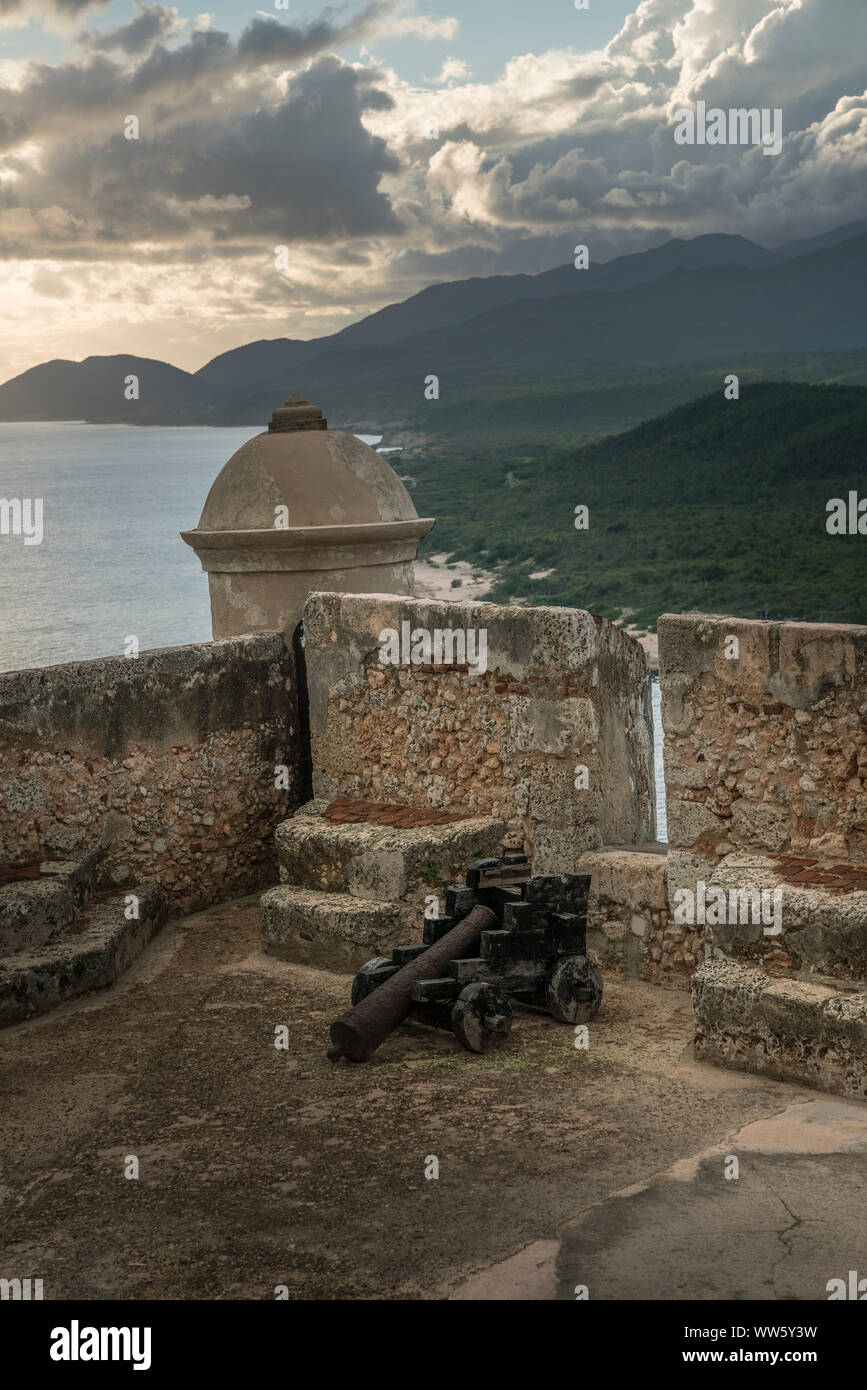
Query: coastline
{"type": "Point", "coordinates": [434, 578]}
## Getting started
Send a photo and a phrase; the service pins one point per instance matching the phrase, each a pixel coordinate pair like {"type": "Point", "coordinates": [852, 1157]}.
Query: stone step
{"type": "Point", "coordinates": [793, 1028]}
{"type": "Point", "coordinates": [89, 954]}
{"type": "Point", "coordinates": [822, 912]}
{"type": "Point", "coordinates": [333, 930]}
{"type": "Point", "coordinates": [351, 848]}
{"type": "Point", "coordinates": [41, 899]}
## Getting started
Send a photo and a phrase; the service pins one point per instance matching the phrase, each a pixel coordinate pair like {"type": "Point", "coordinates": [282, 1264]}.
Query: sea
{"type": "Point", "coordinates": [111, 564]}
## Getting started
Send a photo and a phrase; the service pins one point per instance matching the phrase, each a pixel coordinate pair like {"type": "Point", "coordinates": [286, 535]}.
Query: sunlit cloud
{"type": "Point", "coordinates": [167, 242]}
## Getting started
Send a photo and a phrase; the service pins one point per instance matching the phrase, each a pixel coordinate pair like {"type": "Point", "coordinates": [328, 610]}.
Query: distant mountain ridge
{"type": "Point", "coordinates": [815, 302]}
{"type": "Point", "coordinates": [94, 390]}
{"type": "Point", "coordinates": [454, 302]}
{"type": "Point", "coordinates": [440, 306]}
{"type": "Point", "coordinates": [678, 302]}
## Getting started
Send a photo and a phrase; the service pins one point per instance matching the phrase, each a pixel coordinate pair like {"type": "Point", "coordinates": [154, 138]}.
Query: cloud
{"type": "Point", "coordinates": [267, 37]}
{"type": "Point", "coordinates": [452, 70]}
{"type": "Point", "coordinates": [154, 23]}
{"type": "Point", "coordinates": [272, 41]}
{"type": "Point", "coordinates": [55, 13]}
{"type": "Point", "coordinates": [304, 167]}
{"type": "Point", "coordinates": [47, 282]}
{"type": "Point", "coordinates": [209, 71]}
{"type": "Point", "coordinates": [401, 20]}
{"type": "Point", "coordinates": [268, 139]}
{"type": "Point", "coordinates": [564, 139]}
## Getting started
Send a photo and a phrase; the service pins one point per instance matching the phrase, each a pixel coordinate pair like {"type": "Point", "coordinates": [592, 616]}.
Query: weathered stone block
{"type": "Point", "coordinates": [627, 918]}
{"type": "Point", "coordinates": [558, 689]}
{"type": "Point", "coordinates": [768, 718]}
{"type": "Point", "coordinates": [634, 878]}
{"type": "Point", "coordinates": [102, 944]}
{"type": "Point", "coordinates": [807, 1032]}
{"type": "Point", "coordinates": [689, 821]}
{"type": "Point", "coordinates": [32, 910]}
{"type": "Point", "coordinates": [823, 931]}
{"type": "Point", "coordinates": [332, 930]}
{"type": "Point", "coordinates": [759, 824]}
{"type": "Point", "coordinates": [381, 862]}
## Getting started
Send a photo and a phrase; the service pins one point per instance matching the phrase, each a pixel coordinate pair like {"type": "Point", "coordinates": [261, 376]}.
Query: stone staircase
{"type": "Point", "coordinates": [59, 938]}
{"type": "Point", "coordinates": [791, 1005]}
{"type": "Point", "coordinates": [356, 877]}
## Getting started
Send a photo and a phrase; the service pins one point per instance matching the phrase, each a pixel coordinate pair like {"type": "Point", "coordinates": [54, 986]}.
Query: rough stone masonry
{"type": "Point", "coordinates": [164, 763]}
{"type": "Point", "coordinates": [560, 690]}
{"type": "Point", "coordinates": [766, 746]}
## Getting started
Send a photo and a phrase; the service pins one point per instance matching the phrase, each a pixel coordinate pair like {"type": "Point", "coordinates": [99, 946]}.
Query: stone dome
{"type": "Point", "coordinates": [324, 477]}
{"type": "Point", "coordinates": [302, 508]}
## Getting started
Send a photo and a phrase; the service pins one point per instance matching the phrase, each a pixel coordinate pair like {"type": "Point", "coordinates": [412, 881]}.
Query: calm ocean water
{"type": "Point", "coordinates": [111, 562]}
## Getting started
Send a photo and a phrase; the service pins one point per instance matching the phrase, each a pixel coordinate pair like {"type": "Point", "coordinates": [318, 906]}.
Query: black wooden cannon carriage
{"type": "Point", "coordinates": [505, 935]}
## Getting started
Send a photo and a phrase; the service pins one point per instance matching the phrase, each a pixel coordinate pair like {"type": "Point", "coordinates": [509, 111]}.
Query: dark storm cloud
{"type": "Point", "coordinates": [306, 170]}
{"type": "Point", "coordinates": [271, 41]}
{"type": "Point", "coordinates": [157, 22]}
{"type": "Point", "coordinates": [229, 160]}
{"type": "Point", "coordinates": [197, 74]}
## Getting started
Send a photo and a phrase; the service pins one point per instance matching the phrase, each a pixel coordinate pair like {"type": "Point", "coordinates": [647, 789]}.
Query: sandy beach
{"type": "Point", "coordinates": [434, 578]}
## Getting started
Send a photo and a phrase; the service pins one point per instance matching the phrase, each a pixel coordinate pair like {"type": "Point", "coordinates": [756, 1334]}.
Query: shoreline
{"type": "Point", "coordinates": [434, 580]}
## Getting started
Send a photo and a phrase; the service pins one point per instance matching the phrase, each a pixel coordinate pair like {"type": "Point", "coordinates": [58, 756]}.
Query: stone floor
{"type": "Point", "coordinates": [261, 1167]}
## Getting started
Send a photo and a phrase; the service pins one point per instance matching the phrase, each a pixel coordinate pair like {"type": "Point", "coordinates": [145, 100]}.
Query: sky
{"type": "Point", "coordinates": [297, 168]}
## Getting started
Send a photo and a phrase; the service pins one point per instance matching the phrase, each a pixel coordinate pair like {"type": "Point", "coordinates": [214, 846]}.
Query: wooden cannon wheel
{"type": "Point", "coordinates": [574, 990]}
{"type": "Point", "coordinates": [481, 1016]}
{"type": "Point", "coordinates": [366, 979]}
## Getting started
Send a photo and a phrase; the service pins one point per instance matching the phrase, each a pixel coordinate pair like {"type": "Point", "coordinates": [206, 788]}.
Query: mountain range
{"type": "Point", "coordinates": [715, 299]}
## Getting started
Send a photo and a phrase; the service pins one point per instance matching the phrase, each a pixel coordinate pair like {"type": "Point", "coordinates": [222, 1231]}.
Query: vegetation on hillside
{"type": "Point", "coordinates": [593, 399]}
{"type": "Point", "coordinates": [719, 505]}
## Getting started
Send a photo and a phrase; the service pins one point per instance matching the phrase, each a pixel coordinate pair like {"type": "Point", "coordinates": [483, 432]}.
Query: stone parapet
{"type": "Point", "coordinates": [765, 737]}
{"type": "Point", "coordinates": [629, 923]}
{"type": "Point", "coordinates": [369, 860]}
{"type": "Point", "coordinates": [557, 690]}
{"type": "Point", "coordinates": [165, 763]}
{"type": "Point", "coordinates": [807, 1032]}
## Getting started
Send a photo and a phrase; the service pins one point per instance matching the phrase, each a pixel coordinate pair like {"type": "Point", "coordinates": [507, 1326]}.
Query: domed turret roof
{"type": "Point", "coordinates": [325, 478]}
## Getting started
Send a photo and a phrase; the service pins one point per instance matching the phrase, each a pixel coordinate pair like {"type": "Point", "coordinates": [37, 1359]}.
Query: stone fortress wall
{"type": "Point", "coordinates": [560, 690]}
{"type": "Point", "coordinates": [411, 736]}
{"type": "Point", "coordinates": [164, 763]}
{"type": "Point", "coordinates": [765, 765]}
{"type": "Point", "coordinates": [765, 738]}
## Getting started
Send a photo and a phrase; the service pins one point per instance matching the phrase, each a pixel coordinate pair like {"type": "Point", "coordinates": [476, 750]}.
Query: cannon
{"type": "Point", "coordinates": [507, 934]}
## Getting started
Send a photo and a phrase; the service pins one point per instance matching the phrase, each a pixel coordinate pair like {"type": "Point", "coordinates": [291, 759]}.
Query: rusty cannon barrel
{"type": "Point", "coordinates": [358, 1032]}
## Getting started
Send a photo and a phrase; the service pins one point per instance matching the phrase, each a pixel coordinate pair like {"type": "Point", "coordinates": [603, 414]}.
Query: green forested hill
{"type": "Point", "coordinates": [718, 505]}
